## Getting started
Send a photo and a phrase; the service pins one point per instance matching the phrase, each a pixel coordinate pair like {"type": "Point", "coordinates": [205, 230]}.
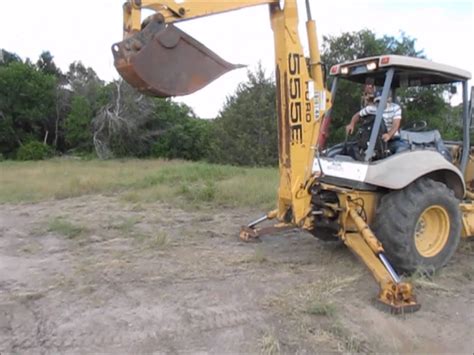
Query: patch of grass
{"type": "Point", "coordinates": [298, 305]}
{"type": "Point", "coordinates": [61, 226]}
{"type": "Point", "coordinates": [259, 256]}
{"type": "Point", "coordinates": [321, 308]}
{"type": "Point", "coordinates": [468, 275]}
{"type": "Point", "coordinates": [29, 296]}
{"type": "Point", "coordinates": [31, 248]}
{"type": "Point", "coordinates": [347, 342]}
{"type": "Point", "coordinates": [199, 193]}
{"type": "Point", "coordinates": [87, 289]}
{"type": "Point", "coordinates": [127, 225]}
{"type": "Point", "coordinates": [138, 208]}
{"type": "Point", "coordinates": [310, 298]}
{"type": "Point", "coordinates": [269, 344]}
{"type": "Point", "coordinates": [189, 173]}
{"type": "Point", "coordinates": [158, 241]}
{"type": "Point", "coordinates": [194, 183]}
{"type": "Point", "coordinates": [151, 194]}
{"type": "Point", "coordinates": [133, 197]}
{"type": "Point", "coordinates": [324, 289]}
{"type": "Point", "coordinates": [467, 246]}
{"type": "Point", "coordinates": [427, 284]}
{"type": "Point", "coordinates": [424, 279]}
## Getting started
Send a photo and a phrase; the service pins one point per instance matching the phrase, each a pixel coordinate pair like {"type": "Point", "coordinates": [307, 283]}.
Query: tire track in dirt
{"type": "Point", "coordinates": [204, 292]}
{"type": "Point", "coordinates": [37, 332]}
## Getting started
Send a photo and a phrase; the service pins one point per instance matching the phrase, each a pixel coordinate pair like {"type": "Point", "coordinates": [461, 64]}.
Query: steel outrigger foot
{"type": "Point", "coordinates": [395, 296]}
{"type": "Point", "coordinates": [250, 233]}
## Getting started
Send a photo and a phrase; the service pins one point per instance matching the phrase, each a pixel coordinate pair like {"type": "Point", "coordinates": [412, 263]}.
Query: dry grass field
{"type": "Point", "coordinates": [144, 256]}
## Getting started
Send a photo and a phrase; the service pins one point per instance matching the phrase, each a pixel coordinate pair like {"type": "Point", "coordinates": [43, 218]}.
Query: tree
{"type": "Point", "coordinates": [365, 43]}
{"type": "Point", "coordinates": [428, 104]}
{"type": "Point", "coordinates": [350, 46]}
{"type": "Point", "coordinates": [131, 124]}
{"type": "Point", "coordinates": [111, 126]}
{"type": "Point", "coordinates": [180, 134]}
{"type": "Point", "coordinates": [185, 140]}
{"type": "Point", "coordinates": [78, 125]}
{"type": "Point", "coordinates": [246, 129]}
{"type": "Point", "coordinates": [8, 57]}
{"type": "Point", "coordinates": [85, 82]}
{"type": "Point", "coordinates": [26, 106]}
{"type": "Point", "coordinates": [46, 64]}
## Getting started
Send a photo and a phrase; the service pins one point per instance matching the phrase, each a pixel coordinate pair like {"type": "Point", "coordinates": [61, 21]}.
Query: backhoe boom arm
{"type": "Point", "coordinates": [174, 11]}
{"type": "Point", "coordinates": [161, 60]}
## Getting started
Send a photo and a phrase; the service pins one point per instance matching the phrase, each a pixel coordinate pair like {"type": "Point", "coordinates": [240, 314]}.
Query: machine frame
{"type": "Point", "coordinates": [303, 104]}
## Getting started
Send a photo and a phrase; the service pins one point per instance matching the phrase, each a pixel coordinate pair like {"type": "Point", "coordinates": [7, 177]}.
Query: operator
{"type": "Point", "coordinates": [392, 116]}
{"type": "Point", "coordinates": [369, 92]}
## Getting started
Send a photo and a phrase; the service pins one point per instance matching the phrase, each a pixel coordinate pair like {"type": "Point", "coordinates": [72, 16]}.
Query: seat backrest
{"type": "Point", "coordinates": [421, 137]}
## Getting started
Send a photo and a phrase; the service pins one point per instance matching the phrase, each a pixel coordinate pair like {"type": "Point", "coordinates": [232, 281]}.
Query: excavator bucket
{"type": "Point", "coordinates": [163, 61]}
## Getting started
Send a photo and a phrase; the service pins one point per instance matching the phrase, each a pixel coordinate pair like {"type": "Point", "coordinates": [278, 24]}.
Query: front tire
{"type": "Point", "coordinates": [419, 226]}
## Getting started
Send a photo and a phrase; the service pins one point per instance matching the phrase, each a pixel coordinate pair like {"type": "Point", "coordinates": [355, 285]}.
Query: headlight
{"type": "Point", "coordinates": [345, 70]}
{"type": "Point", "coordinates": [372, 66]}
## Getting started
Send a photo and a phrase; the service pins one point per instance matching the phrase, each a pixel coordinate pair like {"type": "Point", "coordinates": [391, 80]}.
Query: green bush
{"type": "Point", "coordinates": [34, 150]}
{"type": "Point", "coordinates": [187, 140]}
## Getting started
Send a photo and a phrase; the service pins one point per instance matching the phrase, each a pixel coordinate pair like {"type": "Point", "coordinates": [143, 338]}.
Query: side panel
{"type": "Point", "coordinates": [341, 169]}
{"type": "Point", "coordinates": [469, 173]}
{"type": "Point", "coordinates": [467, 210]}
{"type": "Point", "coordinates": [455, 148]}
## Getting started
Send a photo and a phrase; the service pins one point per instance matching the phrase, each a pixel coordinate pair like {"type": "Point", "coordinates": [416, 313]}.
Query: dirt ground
{"type": "Point", "coordinates": [156, 278]}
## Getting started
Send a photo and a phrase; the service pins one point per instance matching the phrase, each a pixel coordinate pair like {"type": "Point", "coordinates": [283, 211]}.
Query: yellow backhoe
{"type": "Point", "coordinates": [398, 211]}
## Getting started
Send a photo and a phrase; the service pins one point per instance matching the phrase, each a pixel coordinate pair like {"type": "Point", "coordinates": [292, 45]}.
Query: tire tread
{"type": "Point", "coordinates": [396, 217]}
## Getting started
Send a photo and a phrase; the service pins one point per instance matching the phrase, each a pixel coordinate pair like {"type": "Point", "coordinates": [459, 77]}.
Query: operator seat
{"type": "Point", "coordinates": [417, 140]}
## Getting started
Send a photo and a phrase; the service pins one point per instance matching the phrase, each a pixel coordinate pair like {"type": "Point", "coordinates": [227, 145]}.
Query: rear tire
{"type": "Point", "coordinates": [419, 226]}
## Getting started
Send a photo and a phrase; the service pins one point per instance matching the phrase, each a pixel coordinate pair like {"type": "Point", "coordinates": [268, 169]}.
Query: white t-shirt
{"type": "Point", "coordinates": [392, 112]}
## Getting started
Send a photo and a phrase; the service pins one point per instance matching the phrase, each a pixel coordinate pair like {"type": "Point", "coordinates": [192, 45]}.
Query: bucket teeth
{"type": "Point", "coordinates": [163, 61]}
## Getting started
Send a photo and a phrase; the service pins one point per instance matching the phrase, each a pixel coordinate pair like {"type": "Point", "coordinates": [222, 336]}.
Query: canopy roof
{"type": "Point", "coordinates": [409, 71]}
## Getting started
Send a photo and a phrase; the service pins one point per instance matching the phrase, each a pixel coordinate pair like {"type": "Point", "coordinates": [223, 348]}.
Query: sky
{"type": "Point", "coordinates": [85, 30]}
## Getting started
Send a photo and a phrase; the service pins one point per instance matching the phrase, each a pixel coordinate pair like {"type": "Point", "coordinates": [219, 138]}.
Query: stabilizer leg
{"type": "Point", "coordinates": [250, 232]}
{"type": "Point", "coordinates": [395, 296]}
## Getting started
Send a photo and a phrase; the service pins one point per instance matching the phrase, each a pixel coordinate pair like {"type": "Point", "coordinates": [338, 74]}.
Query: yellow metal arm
{"type": "Point", "coordinates": [302, 99]}
{"type": "Point", "coordinates": [395, 295]}
{"type": "Point", "coordinates": [174, 11]}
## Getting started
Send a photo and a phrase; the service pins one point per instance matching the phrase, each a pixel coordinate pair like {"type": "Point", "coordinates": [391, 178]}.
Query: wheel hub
{"type": "Point", "coordinates": [432, 231]}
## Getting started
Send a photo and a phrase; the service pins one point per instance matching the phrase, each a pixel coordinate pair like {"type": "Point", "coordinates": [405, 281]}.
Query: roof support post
{"type": "Point", "coordinates": [466, 144]}
{"type": "Point", "coordinates": [379, 115]}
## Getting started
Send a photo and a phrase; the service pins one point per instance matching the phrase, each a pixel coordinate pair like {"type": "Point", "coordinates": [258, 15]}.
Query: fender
{"type": "Point", "coordinates": [397, 171]}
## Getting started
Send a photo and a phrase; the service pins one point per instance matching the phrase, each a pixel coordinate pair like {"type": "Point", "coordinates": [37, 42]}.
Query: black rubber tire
{"type": "Point", "coordinates": [396, 219]}
{"type": "Point", "coordinates": [324, 234]}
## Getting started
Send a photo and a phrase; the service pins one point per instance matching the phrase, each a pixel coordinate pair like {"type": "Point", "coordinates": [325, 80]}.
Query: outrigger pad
{"type": "Point", "coordinates": [163, 61]}
{"type": "Point", "coordinates": [397, 309]}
